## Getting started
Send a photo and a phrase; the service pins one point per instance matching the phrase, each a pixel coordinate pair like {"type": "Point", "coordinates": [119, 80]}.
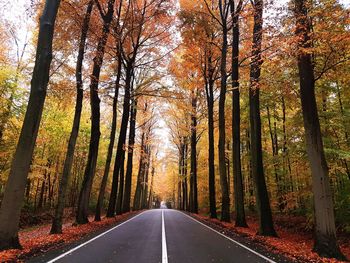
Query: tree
{"type": "Point", "coordinates": [101, 194]}
{"type": "Point", "coordinates": [223, 21]}
{"type": "Point", "coordinates": [266, 227]}
{"type": "Point", "coordinates": [236, 118]}
{"type": "Point", "coordinates": [56, 227]}
{"type": "Point", "coordinates": [131, 145]}
{"type": "Point", "coordinates": [325, 232]}
{"type": "Point", "coordinates": [193, 172]}
{"type": "Point", "coordinates": [15, 187]}
{"type": "Point", "coordinates": [84, 196]}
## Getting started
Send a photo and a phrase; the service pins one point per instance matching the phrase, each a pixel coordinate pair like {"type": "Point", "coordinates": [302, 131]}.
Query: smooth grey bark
{"type": "Point", "coordinates": [15, 187]}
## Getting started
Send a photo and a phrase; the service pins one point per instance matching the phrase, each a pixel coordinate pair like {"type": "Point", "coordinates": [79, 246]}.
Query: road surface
{"type": "Point", "coordinates": [160, 235]}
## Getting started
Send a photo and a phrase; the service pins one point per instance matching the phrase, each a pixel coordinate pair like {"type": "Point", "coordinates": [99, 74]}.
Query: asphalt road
{"type": "Point", "coordinates": [159, 236]}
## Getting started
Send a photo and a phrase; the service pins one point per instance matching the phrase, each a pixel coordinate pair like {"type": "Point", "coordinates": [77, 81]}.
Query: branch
{"type": "Point", "coordinates": [100, 9]}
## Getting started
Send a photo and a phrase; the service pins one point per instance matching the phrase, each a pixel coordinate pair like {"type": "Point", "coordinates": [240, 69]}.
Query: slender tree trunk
{"type": "Point", "coordinates": [274, 146]}
{"type": "Point", "coordinates": [119, 161]}
{"type": "Point", "coordinates": [325, 232]}
{"type": "Point", "coordinates": [225, 196]}
{"type": "Point", "coordinates": [128, 176]}
{"type": "Point", "coordinates": [102, 191]}
{"type": "Point", "coordinates": [56, 227]}
{"type": "Point", "coordinates": [150, 196]}
{"type": "Point", "coordinates": [341, 107]}
{"type": "Point", "coordinates": [179, 184]}
{"type": "Point", "coordinates": [193, 172]}
{"type": "Point", "coordinates": [42, 190]}
{"type": "Point", "coordinates": [15, 187]}
{"type": "Point", "coordinates": [266, 227]}
{"type": "Point", "coordinates": [236, 123]}
{"type": "Point", "coordinates": [137, 196]}
{"type": "Point", "coordinates": [145, 182]}
{"type": "Point", "coordinates": [185, 203]}
{"type": "Point", "coordinates": [28, 189]}
{"type": "Point", "coordinates": [84, 196]}
{"type": "Point", "coordinates": [211, 150]}
{"type": "Point", "coordinates": [119, 204]}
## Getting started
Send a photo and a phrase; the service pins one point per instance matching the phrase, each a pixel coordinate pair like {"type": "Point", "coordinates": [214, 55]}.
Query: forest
{"type": "Point", "coordinates": [235, 110]}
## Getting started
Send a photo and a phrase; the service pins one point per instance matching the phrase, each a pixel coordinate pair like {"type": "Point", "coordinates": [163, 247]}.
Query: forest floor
{"type": "Point", "coordinates": [35, 235]}
{"type": "Point", "coordinates": [295, 239]}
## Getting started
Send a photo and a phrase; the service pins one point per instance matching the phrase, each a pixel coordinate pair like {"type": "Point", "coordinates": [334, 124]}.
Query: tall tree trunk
{"type": "Point", "coordinates": [15, 187]}
{"type": "Point", "coordinates": [137, 196]}
{"type": "Point", "coordinates": [101, 193]}
{"type": "Point", "coordinates": [325, 232]}
{"type": "Point", "coordinates": [193, 172]}
{"type": "Point", "coordinates": [84, 196]}
{"type": "Point", "coordinates": [56, 226]}
{"type": "Point", "coordinates": [119, 161]}
{"type": "Point", "coordinates": [184, 175]}
{"type": "Point", "coordinates": [211, 150]}
{"type": "Point", "coordinates": [225, 196]}
{"type": "Point", "coordinates": [128, 175]}
{"type": "Point", "coordinates": [236, 121]}
{"type": "Point", "coordinates": [266, 227]}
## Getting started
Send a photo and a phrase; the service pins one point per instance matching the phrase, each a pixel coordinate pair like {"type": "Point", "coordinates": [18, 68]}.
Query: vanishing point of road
{"type": "Point", "coordinates": [160, 235]}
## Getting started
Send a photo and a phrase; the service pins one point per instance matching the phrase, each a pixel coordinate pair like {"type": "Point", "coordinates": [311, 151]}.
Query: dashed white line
{"type": "Point", "coordinates": [90, 240]}
{"type": "Point", "coordinates": [232, 240]}
{"type": "Point", "coordinates": [164, 249]}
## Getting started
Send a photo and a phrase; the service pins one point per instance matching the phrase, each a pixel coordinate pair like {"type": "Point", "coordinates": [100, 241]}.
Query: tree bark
{"type": "Point", "coordinates": [193, 171]}
{"type": "Point", "coordinates": [325, 232]}
{"type": "Point", "coordinates": [56, 227]}
{"type": "Point", "coordinates": [145, 181]}
{"type": "Point", "coordinates": [240, 220]}
{"type": "Point", "coordinates": [84, 196]}
{"type": "Point", "coordinates": [15, 187]}
{"type": "Point", "coordinates": [211, 150]}
{"type": "Point", "coordinates": [128, 175]}
{"type": "Point", "coordinates": [137, 196]}
{"type": "Point", "coordinates": [266, 227]}
{"type": "Point", "coordinates": [118, 208]}
{"type": "Point", "coordinates": [119, 161]}
{"type": "Point", "coordinates": [225, 197]}
{"type": "Point", "coordinates": [102, 191]}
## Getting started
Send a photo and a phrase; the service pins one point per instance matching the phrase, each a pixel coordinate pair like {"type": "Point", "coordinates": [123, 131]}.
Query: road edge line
{"type": "Point", "coordinates": [164, 247]}
{"type": "Point", "coordinates": [92, 239]}
{"type": "Point", "coordinates": [232, 240]}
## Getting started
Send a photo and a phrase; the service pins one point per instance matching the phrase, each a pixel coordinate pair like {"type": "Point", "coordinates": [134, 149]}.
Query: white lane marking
{"type": "Point", "coordinates": [164, 249]}
{"type": "Point", "coordinates": [90, 240]}
{"type": "Point", "coordinates": [232, 240]}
